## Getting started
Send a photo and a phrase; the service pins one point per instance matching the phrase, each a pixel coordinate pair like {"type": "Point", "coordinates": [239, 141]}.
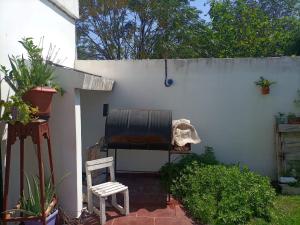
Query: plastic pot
{"type": "Point", "coordinates": [40, 97]}
{"type": "Point", "coordinates": [51, 220]}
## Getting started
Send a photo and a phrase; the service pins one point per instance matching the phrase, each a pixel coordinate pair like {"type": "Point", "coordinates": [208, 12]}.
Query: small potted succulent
{"type": "Point", "coordinates": [32, 80]}
{"type": "Point", "coordinates": [281, 118]}
{"type": "Point", "coordinates": [265, 85]}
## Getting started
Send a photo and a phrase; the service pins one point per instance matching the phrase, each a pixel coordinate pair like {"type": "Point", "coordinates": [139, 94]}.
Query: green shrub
{"type": "Point", "coordinates": [202, 207]}
{"type": "Point", "coordinates": [223, 195]}
{"type": "Point", "coordinates": [170, 171]}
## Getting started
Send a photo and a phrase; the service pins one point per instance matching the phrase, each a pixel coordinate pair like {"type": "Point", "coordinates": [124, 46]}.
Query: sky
{"type": "Point", "coordinates": [201, 5]}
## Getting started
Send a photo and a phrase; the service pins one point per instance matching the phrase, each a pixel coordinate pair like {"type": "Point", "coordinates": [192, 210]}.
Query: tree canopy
{"type": "Point", "coordinates": [138, 29]}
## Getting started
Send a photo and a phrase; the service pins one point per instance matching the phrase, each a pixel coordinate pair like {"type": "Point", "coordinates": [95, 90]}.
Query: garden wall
{"type": "Point", "coordinates": [218, 96]}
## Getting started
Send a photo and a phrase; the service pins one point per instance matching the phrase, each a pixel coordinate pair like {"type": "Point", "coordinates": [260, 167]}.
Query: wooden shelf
{"type": "Point", "coordinates": [286, 128]}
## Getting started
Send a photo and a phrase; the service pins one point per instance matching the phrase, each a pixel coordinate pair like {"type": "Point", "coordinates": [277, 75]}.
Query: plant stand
{"type": "Point", "coordinates": [37, 130]}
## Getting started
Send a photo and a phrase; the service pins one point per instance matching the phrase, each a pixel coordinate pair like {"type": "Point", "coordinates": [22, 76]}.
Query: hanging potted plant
{"type": "Point", "coordinates": [32, 79]}
{"type": "Point", "coordinates": [265, 85]}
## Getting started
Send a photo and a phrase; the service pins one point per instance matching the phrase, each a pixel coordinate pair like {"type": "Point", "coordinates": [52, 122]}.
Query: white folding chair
{"type": "Point", "coordinates": [104, 190]}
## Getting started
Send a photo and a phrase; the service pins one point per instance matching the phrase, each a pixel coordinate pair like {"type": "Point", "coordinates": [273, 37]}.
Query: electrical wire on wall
{"type": "Point", "coordinates": [168, 82]}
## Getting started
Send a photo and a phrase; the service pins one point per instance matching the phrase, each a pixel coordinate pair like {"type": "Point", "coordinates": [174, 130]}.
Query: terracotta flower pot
{"type": "Point", "coordinates": [265, 90]}
{"type": "Point", "coordinates": [295, 120]}
{"type": "Point", "coordinates": [41, 98]}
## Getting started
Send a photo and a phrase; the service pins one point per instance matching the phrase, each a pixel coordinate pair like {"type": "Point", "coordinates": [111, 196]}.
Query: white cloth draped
{"type": "Point", "coordinates": [184, 133]}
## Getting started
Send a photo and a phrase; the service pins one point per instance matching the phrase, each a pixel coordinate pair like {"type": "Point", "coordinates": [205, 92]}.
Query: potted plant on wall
{"type": "Point", "coordinates": [32, 79]}
{"type": "Point", "coordinates": [264, 84]}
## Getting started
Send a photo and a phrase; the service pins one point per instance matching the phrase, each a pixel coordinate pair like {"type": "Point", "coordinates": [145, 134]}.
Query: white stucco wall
{"type": "Point", "coordinates": [40, 18]}
{"type": "Point", "coordinates": [36, 18]}
{"type": "Point", "coordinates": [217, 95]}
{"type": "Point", "coordinates": [65, 124]}
{"type": "Point", "coordinates": [70, 6]}
{"type": "Point", "coordinates": [66, 136]}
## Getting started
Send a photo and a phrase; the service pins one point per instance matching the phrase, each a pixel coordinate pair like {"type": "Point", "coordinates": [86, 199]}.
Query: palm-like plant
{"type": "Point", "coordinates": [30, 201]}
{"type": "Point", "coordinates": [30, 204]}
{"type": "Point", "coordinates": [264, 83]}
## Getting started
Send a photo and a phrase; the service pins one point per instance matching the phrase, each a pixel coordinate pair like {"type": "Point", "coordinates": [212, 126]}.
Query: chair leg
{"type": "Point", "coordinates": [90, 201]}
{"type": "Point", "coordinates": [116, 205]}
{"type": "Point", "coordinates": [114, 200]}
{"type": "Point", "coordinates": [126, 202]}
{"type": "Point", "coordinates": [102, 211]}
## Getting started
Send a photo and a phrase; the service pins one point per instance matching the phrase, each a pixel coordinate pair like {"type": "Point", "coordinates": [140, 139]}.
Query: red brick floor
{"type": "Point", "coordinates": [148, 205]}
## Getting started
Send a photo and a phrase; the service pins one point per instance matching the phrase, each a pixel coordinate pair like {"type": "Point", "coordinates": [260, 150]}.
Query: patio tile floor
{"type": "Point", "coordinates": [148, 205]}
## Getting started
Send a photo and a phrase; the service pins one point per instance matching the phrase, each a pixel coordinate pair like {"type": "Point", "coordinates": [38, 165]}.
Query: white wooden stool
{"type": "Point", "coordinates": [105, 189]}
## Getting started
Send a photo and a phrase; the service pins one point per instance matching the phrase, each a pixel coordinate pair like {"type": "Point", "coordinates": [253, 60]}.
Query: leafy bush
{"type": "Point", "coordinates": [170, 171]}
{"type": "Point", "coordinates": [223, 195]}
{"type": "Point", "coordinates": [15, 110]}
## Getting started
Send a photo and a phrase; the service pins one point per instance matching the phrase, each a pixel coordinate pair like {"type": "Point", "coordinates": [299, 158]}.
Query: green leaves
{"type": "Point", "coordinates": [262, 82]}
{"type": "Point", "coordinates": [15, 110]}
{"type": "Point", "coordinates": [27, 74]}
{"type": "Point", "coordinates": [30, 200]}
{"type": "Point", "coordinates": [170, 172]}
{"type": "Point", "coordinates": [249, 28]}
{"type": "Point", "coordinates": [218, 194]}
{"type": "Point", "coordinates": [140, 29]}
{"type": "Point", "coordinates": [223, 195]}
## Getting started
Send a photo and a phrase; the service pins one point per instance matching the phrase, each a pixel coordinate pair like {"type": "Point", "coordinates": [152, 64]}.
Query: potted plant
{"type": "Point", "coordinates": [281, 118]}
{"type": "Point", "coordinates": [29, 204]}
{"type": "Point", "coordinates": [264, 84]}
{"type": "Point", "coordinates": [32, 79]}
{"type": "Point", "coordinates": [293, 119]}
